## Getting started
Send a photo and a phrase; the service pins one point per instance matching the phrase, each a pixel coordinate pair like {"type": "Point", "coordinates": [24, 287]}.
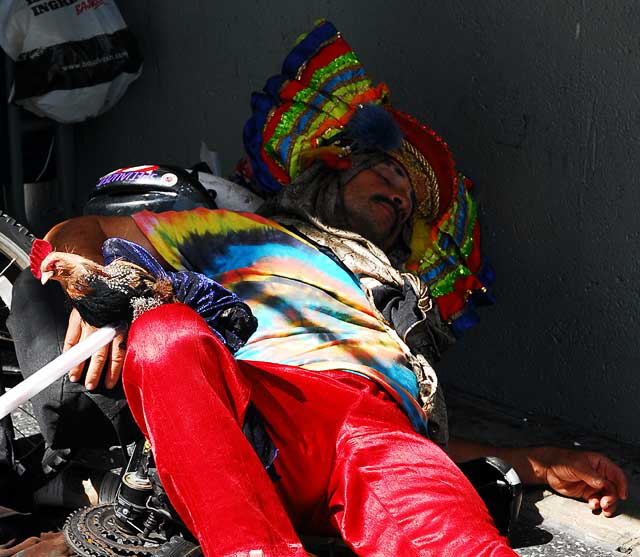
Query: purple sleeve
{"type": "Point", "coordinates": [226, 315]}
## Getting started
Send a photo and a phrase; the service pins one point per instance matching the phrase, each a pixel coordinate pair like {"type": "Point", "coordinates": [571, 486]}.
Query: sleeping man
{"type": "Point", "coordinates": [360, 269]}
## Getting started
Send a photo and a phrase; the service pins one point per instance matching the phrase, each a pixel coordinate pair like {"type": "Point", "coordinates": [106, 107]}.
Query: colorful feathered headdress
{"type": "Point", "coordinates": [324, 106]}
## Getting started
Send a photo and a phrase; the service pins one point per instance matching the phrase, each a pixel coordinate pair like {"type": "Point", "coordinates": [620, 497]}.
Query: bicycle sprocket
{"type": "Point", "coordinates": [95, 532]}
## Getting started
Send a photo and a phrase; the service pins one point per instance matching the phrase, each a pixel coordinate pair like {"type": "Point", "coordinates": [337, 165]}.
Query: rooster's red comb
{"type": "Point", "coordinates": [39, 250]}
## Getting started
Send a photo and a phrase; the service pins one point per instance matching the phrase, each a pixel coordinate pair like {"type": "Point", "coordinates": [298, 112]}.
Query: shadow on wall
{"type": "Point", "coordinates": [538, 105]}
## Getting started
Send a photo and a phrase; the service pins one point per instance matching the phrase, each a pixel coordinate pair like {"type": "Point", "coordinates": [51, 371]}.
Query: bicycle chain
{"type": "Point", "coordinates": [94, 532]}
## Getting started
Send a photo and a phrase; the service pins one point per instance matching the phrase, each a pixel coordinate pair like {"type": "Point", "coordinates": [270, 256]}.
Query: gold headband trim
{"type": "Point", "coordinates": [423, 180]}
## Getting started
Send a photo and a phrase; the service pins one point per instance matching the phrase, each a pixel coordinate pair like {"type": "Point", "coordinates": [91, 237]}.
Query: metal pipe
{"type": "Point", "coordinates": [15, 192]}
{"type": "Point", "coordinates": [55, 369]}
{"type": "Point", "coordinates": [65, 168]}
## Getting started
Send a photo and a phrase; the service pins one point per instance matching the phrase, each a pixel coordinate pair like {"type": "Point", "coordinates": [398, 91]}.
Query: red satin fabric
{"type": "Point", "coordinates": [349, 462]}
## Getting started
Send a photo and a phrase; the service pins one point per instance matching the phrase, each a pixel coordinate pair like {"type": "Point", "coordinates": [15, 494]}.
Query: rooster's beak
{"type": "Point", "coordinates": [46, 275]}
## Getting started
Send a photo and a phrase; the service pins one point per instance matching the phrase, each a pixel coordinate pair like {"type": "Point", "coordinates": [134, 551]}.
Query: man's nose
{"type": "Point", "coordinates": [402, 195]}
{"type": "Point", "coordinates": [401, 200]}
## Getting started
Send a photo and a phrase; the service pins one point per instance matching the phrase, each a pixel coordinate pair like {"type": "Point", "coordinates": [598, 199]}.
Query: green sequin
{"type": "Point", "coordinates": [334, 67]}
{"type": "Point", "coordinates": [446, 285]}
{"type": "Point", "coordinates": [285, 123]}
{"type": "Point", "coordinates": [435, 255]}
{"type": "Point", "coordinates": [334, 106]}
{"type": "Point", "coordinates": [472, 217]}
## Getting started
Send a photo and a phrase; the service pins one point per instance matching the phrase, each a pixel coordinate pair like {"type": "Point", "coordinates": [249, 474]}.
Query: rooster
{"type": "Point", "coordinates": [132, 281]}
{"type": "Point", "coordinates": [109, 294]}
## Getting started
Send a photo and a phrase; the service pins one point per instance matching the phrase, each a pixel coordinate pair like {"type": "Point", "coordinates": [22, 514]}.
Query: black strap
{"type": "Point", "coordinates": [76, 64]}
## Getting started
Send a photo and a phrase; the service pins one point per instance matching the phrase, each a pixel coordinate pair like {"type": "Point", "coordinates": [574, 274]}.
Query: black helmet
{"type": "Point", "coordinates": [149, 187]}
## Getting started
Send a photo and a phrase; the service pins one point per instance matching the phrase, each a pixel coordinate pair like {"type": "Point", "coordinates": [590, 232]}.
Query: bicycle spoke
{"type": "Point", "coordinates": [15, 245]}
{"type": "Point", "coordinates": [24, 409]}
{"type": "Point", "coordinates": [9, 265]}
{"type": "Point", "coordinates": [25, 434]}
{"type": "Point", "coordinates": [18, 430]}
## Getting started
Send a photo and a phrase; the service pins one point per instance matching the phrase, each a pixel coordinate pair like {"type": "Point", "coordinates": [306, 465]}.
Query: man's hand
{"type": "Point", "coordinates": [49, 544]}
{"type": "Point", "coordinates": [585, 475]}
{"type": "Point", "coordinates": [111, 356]}
{"type": "Point", "coordinates": [84, 236]}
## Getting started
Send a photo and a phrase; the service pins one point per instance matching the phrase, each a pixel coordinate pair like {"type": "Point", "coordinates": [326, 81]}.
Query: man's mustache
{"type": "Point", "coordinates": [401, 216]}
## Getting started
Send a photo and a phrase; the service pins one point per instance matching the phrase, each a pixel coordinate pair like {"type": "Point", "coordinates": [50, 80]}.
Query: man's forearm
{"type": "Point", "coordinates": [85, 235]}
{"type": "Point", "coordinates": [82, 236]}
{"type": "Point", "coordinates": [529, 462]}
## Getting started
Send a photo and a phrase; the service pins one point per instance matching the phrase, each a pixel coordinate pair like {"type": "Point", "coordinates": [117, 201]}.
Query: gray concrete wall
{"type": "Point", "coordinates": [539, 102]}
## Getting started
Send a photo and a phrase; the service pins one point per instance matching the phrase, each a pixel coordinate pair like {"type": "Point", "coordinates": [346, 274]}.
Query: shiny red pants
{"type": "Point", "coordinates": [349, 461]}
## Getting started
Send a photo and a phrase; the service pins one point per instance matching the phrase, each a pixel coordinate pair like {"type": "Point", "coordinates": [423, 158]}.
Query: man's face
{"type": "Point", "coordinates": [378, 202]}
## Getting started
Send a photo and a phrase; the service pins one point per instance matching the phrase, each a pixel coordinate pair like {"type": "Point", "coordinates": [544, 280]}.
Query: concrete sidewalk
{"type": "Point", "coordinates": [572, 520]}
{"type": "Point", "coordinates": [552, 525]}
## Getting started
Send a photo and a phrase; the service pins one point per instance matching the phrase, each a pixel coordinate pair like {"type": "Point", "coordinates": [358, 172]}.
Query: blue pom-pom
{"type": "Point", "coordinates": [372, 127]}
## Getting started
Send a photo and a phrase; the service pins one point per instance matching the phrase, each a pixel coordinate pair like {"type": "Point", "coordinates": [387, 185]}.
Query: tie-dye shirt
{"type": "Point", "coordinates": [311, 311]}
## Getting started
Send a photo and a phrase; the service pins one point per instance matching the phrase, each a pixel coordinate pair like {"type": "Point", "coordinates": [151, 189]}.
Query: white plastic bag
{"type": "Point", "coordinates": [74, 59]}
{"type": "Point", "coordinates": [230, 195]}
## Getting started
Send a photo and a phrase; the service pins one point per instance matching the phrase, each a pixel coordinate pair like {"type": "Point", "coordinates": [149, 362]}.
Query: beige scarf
{"type": "Point", "coordinates": [312, 204]}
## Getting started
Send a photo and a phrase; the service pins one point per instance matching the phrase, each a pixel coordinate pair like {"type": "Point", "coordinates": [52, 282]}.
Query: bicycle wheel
{"type": "Point", "coordinates": [15, 245]}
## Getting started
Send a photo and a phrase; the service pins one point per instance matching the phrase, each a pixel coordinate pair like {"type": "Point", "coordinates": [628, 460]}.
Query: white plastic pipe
{"type": "Point", "coordinates": [55, 369]}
